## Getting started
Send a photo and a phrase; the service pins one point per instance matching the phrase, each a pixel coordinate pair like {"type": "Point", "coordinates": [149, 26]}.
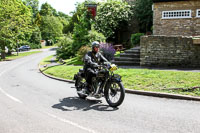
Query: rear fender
{"type": "Point", "coordinates": [75, 76]}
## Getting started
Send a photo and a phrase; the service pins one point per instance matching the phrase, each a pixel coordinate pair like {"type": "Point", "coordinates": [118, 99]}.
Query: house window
{"type": "Point", "coordinates": [198, 13]}
{"type": "Point", "coordinates": [176, 14]}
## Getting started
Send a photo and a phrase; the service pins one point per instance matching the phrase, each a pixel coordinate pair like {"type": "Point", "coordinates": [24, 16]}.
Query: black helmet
{"type": "Point", "coordinates": [95, 44]}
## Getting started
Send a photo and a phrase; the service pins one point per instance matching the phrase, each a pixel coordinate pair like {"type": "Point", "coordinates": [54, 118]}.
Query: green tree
{"type": "Point", "coordinates": [64, 19]}
{"type": "Point", "coordinates": [80, 10]}
{"type": "Point", "coordinates": [35, 38]}
{"type": "Point", "coordinates": [63, 15]}
{"type": "Point", "coordinates": [34, 4]}
{"type": "Point", "coordinates": [112, 16]}
{"type": "Point", "coordinates": [47, 10]}
{"type": "Point", "coordinates": [83, 32]}
{"type": "Point", "coordinates": [15, 20]}
{"type": "Point", "coordinates": [51, 28]}
{"type": "Point", "coordinates": [144, 14]}
{"type": "Point", "coordinates": [38, 19]}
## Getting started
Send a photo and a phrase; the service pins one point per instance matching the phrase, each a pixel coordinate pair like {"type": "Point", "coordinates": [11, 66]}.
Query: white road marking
{"type": "Point", "coordinates": [8, 95]}
{"type": "Point", "coordinates": [51, 115]}
{"type": "Point", "coordinates": [71, 123]}
{"type": "Point", "coordinates": [11, 97]}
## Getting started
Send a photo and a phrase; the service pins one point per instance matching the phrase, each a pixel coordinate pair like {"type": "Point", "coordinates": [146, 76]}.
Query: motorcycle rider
{"type": "Point", "coordinates": [92, 60]}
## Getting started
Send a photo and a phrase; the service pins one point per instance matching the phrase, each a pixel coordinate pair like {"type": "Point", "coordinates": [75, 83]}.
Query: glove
{"type": "Point", "coordinates": [113, 67]}
{"type": "Point", "coordinates": [96, 65]}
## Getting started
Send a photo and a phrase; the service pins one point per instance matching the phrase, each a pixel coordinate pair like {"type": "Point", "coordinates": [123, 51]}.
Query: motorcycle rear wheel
{"type": "Point", "coordinates": [79, 86]}
{"type": "Point", "coordinates": [114, 93]}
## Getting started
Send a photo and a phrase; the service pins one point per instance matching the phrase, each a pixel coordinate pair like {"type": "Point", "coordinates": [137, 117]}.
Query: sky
{"type": "Point", "coordinates": [65, 6]}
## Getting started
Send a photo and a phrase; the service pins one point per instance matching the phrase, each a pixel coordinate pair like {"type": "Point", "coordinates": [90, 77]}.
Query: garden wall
{"type": "Point", "coordinates": [169, 51]}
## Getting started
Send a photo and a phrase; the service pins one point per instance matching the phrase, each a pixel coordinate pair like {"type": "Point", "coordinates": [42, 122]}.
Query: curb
{"type": "Point", "coordinates": [139, 92]}
{"type": "Point", "coordinates": [163, 95]}
{"type": "Point", "coordinates": [56, 78]}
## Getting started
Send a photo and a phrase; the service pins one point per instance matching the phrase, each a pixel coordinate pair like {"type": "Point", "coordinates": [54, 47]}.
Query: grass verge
{"type": "Point", "coordinates": [46, 47]}
{"type": "Point", "coordinates": [46, 60]}
{"type": "Point", "coordinates": [73, 61]}
{"type": "Point", "coordinates": [14, 56]}
{"type": "Point", "coordinates": [144, 79]}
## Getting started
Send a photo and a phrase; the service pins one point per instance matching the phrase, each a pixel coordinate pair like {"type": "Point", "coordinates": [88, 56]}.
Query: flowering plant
{"type": "Point", "coordinates": [107, 50]}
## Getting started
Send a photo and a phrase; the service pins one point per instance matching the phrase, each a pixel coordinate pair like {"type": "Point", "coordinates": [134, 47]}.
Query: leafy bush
{"type": "Point", "coordinates": [111, 15]}
{"type": "Point", "coordinates": [35, 46]}
{"type": "Point", "coordinates": [24, 43]}
{"type": "Point", "coordinates": [65, 48]}
{"type": "Point", "coordinates": [80, 31]}
{"type": "Point", "coordinates": [95, 36]}
{"type": "Point", "coordinates": [82, 51]}
{"type": "Point", "coordinates": [135, 39]}
{"type": "Point", "coordinates": [107, 50]}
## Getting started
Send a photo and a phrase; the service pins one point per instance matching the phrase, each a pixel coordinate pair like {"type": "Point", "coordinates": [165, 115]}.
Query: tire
{"type": "Point", "coordinates": [111, 90]}
{"type": "Point", "coordinates": [79, 87]}
{"type": "Point", "coordinates": [82, 96]}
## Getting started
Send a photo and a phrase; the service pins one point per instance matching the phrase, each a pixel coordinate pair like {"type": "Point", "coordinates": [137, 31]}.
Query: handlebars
{"type": "Point", "coordinates": [111, 67]}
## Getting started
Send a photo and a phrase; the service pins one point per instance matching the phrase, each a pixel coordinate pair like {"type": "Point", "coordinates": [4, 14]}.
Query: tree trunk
{"type": "Point", "coordinates": [3, 53]}
{"type": "Point", "coordinates": [9, 52]}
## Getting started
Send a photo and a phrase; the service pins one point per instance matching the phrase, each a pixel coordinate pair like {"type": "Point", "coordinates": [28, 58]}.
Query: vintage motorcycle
{"type": "Point", "coordinates": [104, 84]}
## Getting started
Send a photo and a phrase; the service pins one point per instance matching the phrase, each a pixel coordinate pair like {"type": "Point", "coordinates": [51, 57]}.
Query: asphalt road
{"type": "Point", "coordinates": [33, 103]}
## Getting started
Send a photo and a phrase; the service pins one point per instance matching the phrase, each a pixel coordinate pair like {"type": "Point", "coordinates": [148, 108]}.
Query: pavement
{"type": "Point", "coordinates": [138, 92]}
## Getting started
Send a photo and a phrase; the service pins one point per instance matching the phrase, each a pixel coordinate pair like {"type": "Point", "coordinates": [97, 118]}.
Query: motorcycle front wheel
{"type": "Point", "coordinates": [114, 93]}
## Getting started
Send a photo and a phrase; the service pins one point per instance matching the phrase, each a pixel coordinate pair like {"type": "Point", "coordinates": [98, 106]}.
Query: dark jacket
{"type": "Point", "coordinates": [92, 60]}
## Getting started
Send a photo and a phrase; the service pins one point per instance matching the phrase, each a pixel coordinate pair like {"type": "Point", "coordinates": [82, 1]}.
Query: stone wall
{"type": "Point", "coordinates": [169, 51]}
{"type": "Point", "coordinates": [180, 26]}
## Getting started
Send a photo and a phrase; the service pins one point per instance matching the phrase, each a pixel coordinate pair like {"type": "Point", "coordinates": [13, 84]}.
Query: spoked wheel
{"type": "Point", "coordinates": [114, 94]}
{"type": "Point", "coordinates": [79, 84]}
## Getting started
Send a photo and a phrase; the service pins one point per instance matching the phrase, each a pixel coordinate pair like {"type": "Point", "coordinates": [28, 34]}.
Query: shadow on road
{"type": "Point", "coordinates": [75, 103]}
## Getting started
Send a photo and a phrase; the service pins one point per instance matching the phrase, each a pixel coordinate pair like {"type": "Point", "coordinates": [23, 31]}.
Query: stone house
{"type": "Point", "coordinates": [176, 17]}
{"type": "Point", "coordinates": [175, 23]}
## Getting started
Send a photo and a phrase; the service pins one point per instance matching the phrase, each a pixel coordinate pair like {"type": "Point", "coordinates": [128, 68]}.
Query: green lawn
{"type": "Point", "coordinates": [14, 56]}
{"type": "Point", "coordinates": [45, 47]}
{"type": "Point", "coordinates": [46, 60]}
{"type": "Point", "coordinates": [144, 79]}
{"type": "Point", "coordinates": [74, 61]}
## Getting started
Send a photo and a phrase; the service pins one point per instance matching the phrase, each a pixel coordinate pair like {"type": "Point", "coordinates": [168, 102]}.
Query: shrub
{"type": "Point", "coordinates": [24, 43]}
{"type": "Point", "coordinates": [135, 39]}
{"type": "Point", "coordinates": [65, 50]}
{"type": "Point", "coordinates": [82, 51]}
{"type": "Point", "coordinates": [111, 16]}
{"type": "Point", "coordinates": [80, 32]}
{"type": "Point", "coordinates": [35, 46]}
{"type": "Point", "coordinates": [107, 50]}
{"type": "Point", "coordinates": [93, 35]}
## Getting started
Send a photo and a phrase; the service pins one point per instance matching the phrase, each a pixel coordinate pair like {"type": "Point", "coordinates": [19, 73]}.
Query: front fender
{"type": "Point", "coordinates": [116, 78]}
